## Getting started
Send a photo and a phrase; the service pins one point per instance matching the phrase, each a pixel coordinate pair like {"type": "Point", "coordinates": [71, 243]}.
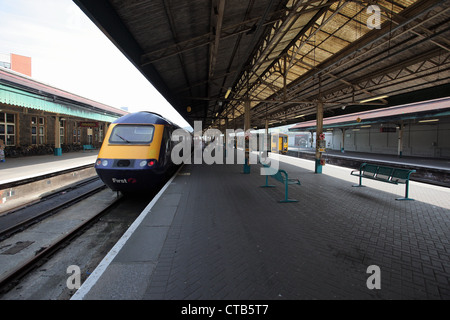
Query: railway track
{"type": "Point", "coordinates": [20, 218]}
{"type": "Point", "coordinates": [18, 222]}
{"type": "Point", "coordinates": [83, 244]}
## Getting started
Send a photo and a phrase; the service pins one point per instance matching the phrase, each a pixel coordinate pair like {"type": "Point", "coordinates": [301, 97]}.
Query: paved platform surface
{"type": "Point", "coordinates": [14, 169]}
{"type": "Point", "coordinates": [215, 234]}
{"type": "Point", "coordinates": [437, 163]}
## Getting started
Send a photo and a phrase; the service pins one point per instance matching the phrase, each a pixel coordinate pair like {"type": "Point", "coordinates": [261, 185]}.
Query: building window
{"type": "Point", "coordinates": [6, 65]}
{"type": "Point", "coordinates": [76, 133]}
{"type": "Point", "coordinates": [76, 136]}
{"type": "Point", "coordinates": [100, 134]}
{"type": "Point", "coordinates": [61, 131]}
{"type": "Point", "coordinates": [89, 135]}
{"type": "Point", "coordinates": [7, 128]}
{"type": "Point", "coordinates": [33, 134]}
{"type": "Point", "coordinates": [37, 130]}
{"type": "Point", "coordinates": [41, 135]}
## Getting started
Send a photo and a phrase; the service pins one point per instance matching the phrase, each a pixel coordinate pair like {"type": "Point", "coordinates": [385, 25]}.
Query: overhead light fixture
{"type": "Point", "coordinates": [368, 126]}
{"type": "Point", "coordinates": [302, 115]}
{"type": "Point", "coordinates": [228, 93]}
{"type": "Point", "coordinates": [373, 99]}
{"type": "Point", "coordinates": [431, 120]}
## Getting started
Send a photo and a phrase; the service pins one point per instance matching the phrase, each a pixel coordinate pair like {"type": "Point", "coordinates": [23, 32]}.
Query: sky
{"type": "Point", "coordinates": [69, 52]}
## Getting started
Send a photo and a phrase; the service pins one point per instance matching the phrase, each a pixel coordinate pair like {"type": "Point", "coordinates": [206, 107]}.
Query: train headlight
{"type": "Point", "coordinates": [104, 163]}
{"type": "Point", "coordinates": [143, 163]}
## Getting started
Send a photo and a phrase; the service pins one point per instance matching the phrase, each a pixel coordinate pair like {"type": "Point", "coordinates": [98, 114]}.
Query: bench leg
{"type": "Point", "coordinates": [406, 193]}
{"type": "Point", "coordinates": [286, 198]}
{"type": "Point", "coordinates": [360, 182]}
{"type": "Point", "coordinates": [267, 185]}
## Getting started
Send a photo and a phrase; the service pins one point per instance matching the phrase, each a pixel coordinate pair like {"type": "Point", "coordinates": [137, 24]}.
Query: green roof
{"type": "Point", "coordinates": [21, 98]}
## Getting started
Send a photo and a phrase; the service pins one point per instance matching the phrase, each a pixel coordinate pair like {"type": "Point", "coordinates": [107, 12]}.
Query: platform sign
{"type": "Point", "coordinates": [322, 145]}
{"type": "Point", "coordinates": [301, 140]}
{"type": "Point", "coordinates": [388, 129]}
{"type": "Point", "coordinates": [88, 124]}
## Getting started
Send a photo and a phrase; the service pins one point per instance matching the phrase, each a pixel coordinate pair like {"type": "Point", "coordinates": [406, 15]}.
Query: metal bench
{"type": "Point", "coordinates": [384, 174]}
{"type": "Point", "coordinates": [281, 176]}
{"type": "Point", "coordinates": [88, 147]}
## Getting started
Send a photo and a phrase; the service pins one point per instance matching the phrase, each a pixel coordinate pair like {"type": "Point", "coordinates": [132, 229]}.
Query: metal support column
{"type": "Point", "coordinates": [400, 140]}
{"type": "Point", "coordinates": [264, 143]}
{"type": "Point", "coordinates": [58, 150]}
{"type": "Point", "coordinates": [247, 142]}
{"type": "Point", "coordinates": [266, 137]}
{"type": "Point", "coordinates": [343, 140]}
{"type": "Point", "coordinates": [319, 131]}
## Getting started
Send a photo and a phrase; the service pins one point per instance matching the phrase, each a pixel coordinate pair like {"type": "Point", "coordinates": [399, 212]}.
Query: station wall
{"type": "Point", "coordinates": [23, 127]}
{"type": "Point", "coordinates": [419, 139]}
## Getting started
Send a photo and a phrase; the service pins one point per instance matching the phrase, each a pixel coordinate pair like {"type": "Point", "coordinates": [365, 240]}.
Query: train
{"type": "Point", "coordinates": [280, 146]}
{"type": "Point", "coordinates": [135, 155]}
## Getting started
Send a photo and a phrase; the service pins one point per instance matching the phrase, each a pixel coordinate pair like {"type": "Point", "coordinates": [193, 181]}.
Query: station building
{"type": "Point", "coordinates": [419, 129]}
{"type": "Point", "coordinates": [36, 116]}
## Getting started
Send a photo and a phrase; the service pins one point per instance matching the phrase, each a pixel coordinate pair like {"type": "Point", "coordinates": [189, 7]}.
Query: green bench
{"type": "Point", "coordinates": [384, 174]}
{"type": "Point", "coordinates": [281, 176]}
{"type": "Point", "coordinates": [88, 147]}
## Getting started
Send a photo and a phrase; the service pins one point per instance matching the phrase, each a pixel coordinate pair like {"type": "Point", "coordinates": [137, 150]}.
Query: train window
{"type": "Point", "coordinates": [132, 134]}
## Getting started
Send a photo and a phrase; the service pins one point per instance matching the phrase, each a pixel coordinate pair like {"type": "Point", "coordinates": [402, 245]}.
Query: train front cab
{"type": "Point", "coordinates": [134, 157]}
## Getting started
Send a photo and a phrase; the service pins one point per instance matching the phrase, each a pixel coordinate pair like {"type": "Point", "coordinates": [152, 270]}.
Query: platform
{"type": "Point", "coordinates": [15, 169]}
{"type": "Point", "coordinates": [428, 170]}
{"type": "Point", "coordinates": [214, 233]}
{"type": "Point", "coordinates": [422, 162]}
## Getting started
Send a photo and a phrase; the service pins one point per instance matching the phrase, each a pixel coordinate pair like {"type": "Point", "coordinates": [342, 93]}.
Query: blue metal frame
{"type": "Point", "coordinates": [279, 176]}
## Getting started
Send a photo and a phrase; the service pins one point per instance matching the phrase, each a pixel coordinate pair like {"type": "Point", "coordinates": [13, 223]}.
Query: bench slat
{"type": "Point", "coordinates": [400, 175]}
{"type": "Point", "coordinates": [370, 170]}
{"type": "Point", "coordinates": [384, 173]}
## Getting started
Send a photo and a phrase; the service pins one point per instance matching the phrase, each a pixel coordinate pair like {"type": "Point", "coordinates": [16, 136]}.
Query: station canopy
{"type": "Point", "coordinates": [210, 57]}
{"type": "Point", "coordinates": [20, 90]}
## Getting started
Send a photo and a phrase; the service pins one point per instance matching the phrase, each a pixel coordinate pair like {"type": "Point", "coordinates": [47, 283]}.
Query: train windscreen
{"type": "Point", "coordinates": [132, 134]}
